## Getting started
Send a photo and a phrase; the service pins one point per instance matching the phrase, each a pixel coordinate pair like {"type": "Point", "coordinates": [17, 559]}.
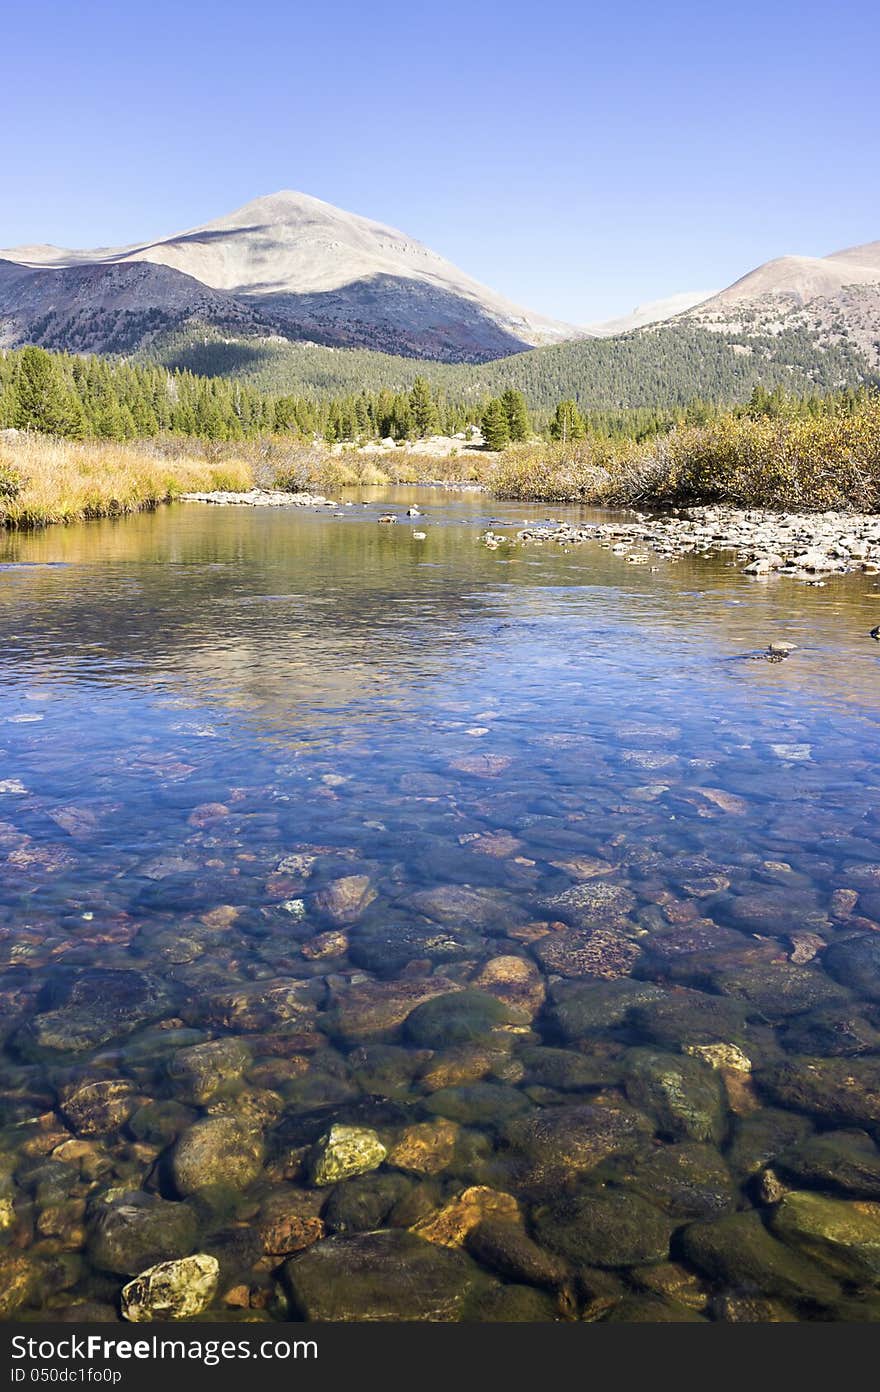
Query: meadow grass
{"type": "Point", "coordinates": [44, 481]}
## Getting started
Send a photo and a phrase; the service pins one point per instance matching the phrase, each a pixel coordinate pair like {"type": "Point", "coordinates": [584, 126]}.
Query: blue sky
{"type": "Point", "coordinates": [580, 158]}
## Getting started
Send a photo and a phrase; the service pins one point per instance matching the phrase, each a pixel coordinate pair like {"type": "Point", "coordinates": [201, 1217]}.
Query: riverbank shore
{"type": "Point", "coordinates": [804, 546]}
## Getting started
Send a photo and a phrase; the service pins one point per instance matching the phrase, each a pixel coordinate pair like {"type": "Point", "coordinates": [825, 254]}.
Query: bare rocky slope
{"type": "Point", "coordinates": [286, 264]}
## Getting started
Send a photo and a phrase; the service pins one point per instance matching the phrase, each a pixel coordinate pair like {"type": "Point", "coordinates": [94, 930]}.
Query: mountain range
{"type": "Point", "coordinates": [288, 271]}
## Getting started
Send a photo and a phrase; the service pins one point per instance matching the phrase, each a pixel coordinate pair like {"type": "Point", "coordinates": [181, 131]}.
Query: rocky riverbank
{"type": "Point", "coordinates": [805, 546]}
{"type": "Point", "coordinates": [260, 497]}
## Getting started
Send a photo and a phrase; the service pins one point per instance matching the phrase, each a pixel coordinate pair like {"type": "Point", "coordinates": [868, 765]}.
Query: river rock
{"type": "Point", "coordinates": [139, 1230]}
{"type": "Point", "coordinates": [570, 1071]}
{"type": "Point", "coordinates": [841, 1092]}
{"type": "Point", "coordinates": [217, 1156]}
{"type": "Point", "coordinates": [364, 1204]}
{"type": "Point", "coordinates": [838, 1030]}
{"type": "Point", "coordinates": [764, 1135]}
{"type": "Point", "coordinates": [458, 906]}
{"type": "Point", "coordinates": [738, 1251]}
{"type": "Point", "coordinates": [19, 1282]}
{"type": "Point", "coordinates": [599, 952]}
{"type": "Point", "coordinates": [841, 1235]}
{"type": "Point", "coordinates": [425, 1148]}
{"type": "Point", "coordinates": [344, 1151]}
{"type": "Point", "coordinates": [605, 1229]}
{"type": "Point", "coordinates": [855, 962]}
{"type": "Point", "coordinates": [84, 1009]}
{"type": "Point", "coordinates": [595, 904]}
{"type": "Point", "coordinates": [689, 1180]}
{"type": "Point", "coordinates": [97, 1108]}
{"type": "Point", "coordinates": [344, 900]}
{"type": "Point", "coordinates": [467, 1017]}
{"type": "Point", "coordinates": [200, 1072]}
{"type": "Point", "coordinates": [382, 1276]}
{"type": "Point", "coordinates": [687, 1017]}
{"type": "Point", "coordinates": [172, 1290]}
{"type": "Point", "coordinates": [386, 949]}
{"type": "Point", "coordinates": [261, 1006]}
{"type": "Point", "coordinates": [685, 1096]}
{"type": "Point", "coordinates": [514, 980]}
{"type": "Point", "coordinates": [779, 989]}
{"type": "Point", "coordinates": [376, 1009]}
{"type": "Point", "coordinates": [552, 1146]}
{"type": "Point", "coordinates": [502, 1244]}
{"type": "Point", "coordinates": [583, 1008]}
{"type": "Point", "coordinates": [457, 1219]}
{"type": "Point", "coordinates": [844, 1161]}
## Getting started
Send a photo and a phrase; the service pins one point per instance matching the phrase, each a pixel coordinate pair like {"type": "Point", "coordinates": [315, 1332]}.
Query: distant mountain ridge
{"type": "Point", "coordinates": [287, 275]}
{"type": "Point", "coordinates": [297, 267]}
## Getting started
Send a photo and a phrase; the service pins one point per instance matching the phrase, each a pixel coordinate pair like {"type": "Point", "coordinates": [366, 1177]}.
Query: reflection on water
{"type": "Point", "coordinates": [521, 862]}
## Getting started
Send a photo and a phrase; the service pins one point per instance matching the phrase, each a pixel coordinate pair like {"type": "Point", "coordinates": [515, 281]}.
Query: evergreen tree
{"type": "Point", "coordinates": [423, 409]}
{"type": "Point", "coordinates": [518, 424]}
{"type": "Point", "coordinates": [568, 423]}
{"type": "Point", "coordinates": [495, 427]}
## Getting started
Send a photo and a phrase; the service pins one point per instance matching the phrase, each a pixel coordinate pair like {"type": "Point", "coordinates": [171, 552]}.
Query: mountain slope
{"type": "Point", "coordinates": [308, 270]}
{"type": "Point", "coordinates": [110, 308]}
{"type": "Point", "coordinates": [835, 299]}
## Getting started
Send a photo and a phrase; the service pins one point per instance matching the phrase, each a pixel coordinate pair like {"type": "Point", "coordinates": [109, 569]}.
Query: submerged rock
{"type": "Point", "coordinates": [684, 1095]}
{"type": "Point", "coordinates": [503, 1244]}
{"type": "Point", "coordinates": [425, 1148]}
{"type": "Point", "coordinates": [376, 1009]}
{"type": "Point", "coordinates": [855, 962]}
{"type": "Point", "coordinates": [382, 1276]}
{"type": "Point", "coordinates": [605, 1229]}
{"type": "Point", "coordinates": [467, 1017]}
{"type": "Point", "coordinates": [552, 1146]}
{"type": "Point", "coordinates": [592, 905]}
{"type": "Point", "coordinates": [599, 952]}
{"type": "Point", "coordinates": [97, 1108]}
{"type": "Point", "coordinates": [842, 1091]}
{"type": "Point", "coordinates": [364, 1204]}
{"type": "Point", "coordinates": [842, 1235]}
{"type": "Point", "coordinates": [689, 1180]}
{"type": "Point", "coordinates": [88, 1008]}
{"type": "Point", "coordinates": [139, 1230]}
{"type": "Point", "coordinates": [738, 1251]}
{"type": "Point", "coordinates": [200, 1072]}
{"type": "Point", "coordinates": [345, 1151]}
{"type": "Point", "coordinates": [343, 901]}
{"type": "Point", "coordinates": [583, 1008]}
{"type": "Point", "coordinates": [845, 1161]}
{"type": "Point", "coordinates": [19, 1282]}
{"type": "Point", "coordinates": [386, 949]}
{"type": "Point", "coordinates": [217, 1156]}
{"type": "Point", "coordinates": [172, 1290]}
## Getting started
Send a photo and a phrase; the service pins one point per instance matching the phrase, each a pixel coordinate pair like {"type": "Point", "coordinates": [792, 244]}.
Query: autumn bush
{"type": "Point", "coordinates": [802, 463]}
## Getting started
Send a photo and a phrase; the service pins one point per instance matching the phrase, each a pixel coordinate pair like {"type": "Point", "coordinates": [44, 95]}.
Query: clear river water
{"type": "Point", "coordinates": [430, 931]}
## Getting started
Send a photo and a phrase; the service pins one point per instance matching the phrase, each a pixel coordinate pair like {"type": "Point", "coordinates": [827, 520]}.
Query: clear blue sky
{"type": "Point", "coordinates": [578, 157]}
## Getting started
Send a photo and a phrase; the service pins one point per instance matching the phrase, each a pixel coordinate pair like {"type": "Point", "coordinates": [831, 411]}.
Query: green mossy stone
{"type": "Point", "coordinates": [605, 1229]}
{"type": "Point", "coordinates": [738, 1251]}
{"type": "Point", "coordinates": [842, 1235]}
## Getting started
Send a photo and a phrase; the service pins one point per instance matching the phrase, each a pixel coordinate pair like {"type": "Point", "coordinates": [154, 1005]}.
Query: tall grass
{"type": "Point", "coordinates": [44, 481]}
{"type": "Point", "coordinates": [811, 463]}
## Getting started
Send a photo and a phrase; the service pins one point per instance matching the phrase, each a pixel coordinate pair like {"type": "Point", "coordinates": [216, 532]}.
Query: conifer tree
{"type": "Point", "coordinates": [518, 424]}
{"type": "Point", "coordinates": [568, 423]}
{"type": "Point", "coordinates": [496, 431]}
{"type": "Point", "coordinates": [423, 409]}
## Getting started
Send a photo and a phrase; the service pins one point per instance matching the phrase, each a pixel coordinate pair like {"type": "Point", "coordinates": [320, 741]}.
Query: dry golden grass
{"type": "Point", "coordinates": [44, 480]}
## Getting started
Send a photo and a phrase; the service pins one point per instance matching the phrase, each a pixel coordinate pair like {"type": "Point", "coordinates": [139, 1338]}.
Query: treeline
{"type": "Point", "coordinates": [99, 398]}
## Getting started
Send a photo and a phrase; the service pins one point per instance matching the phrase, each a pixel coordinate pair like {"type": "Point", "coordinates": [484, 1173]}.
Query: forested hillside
{"type": "Point", "coordinates": [668, 366]}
